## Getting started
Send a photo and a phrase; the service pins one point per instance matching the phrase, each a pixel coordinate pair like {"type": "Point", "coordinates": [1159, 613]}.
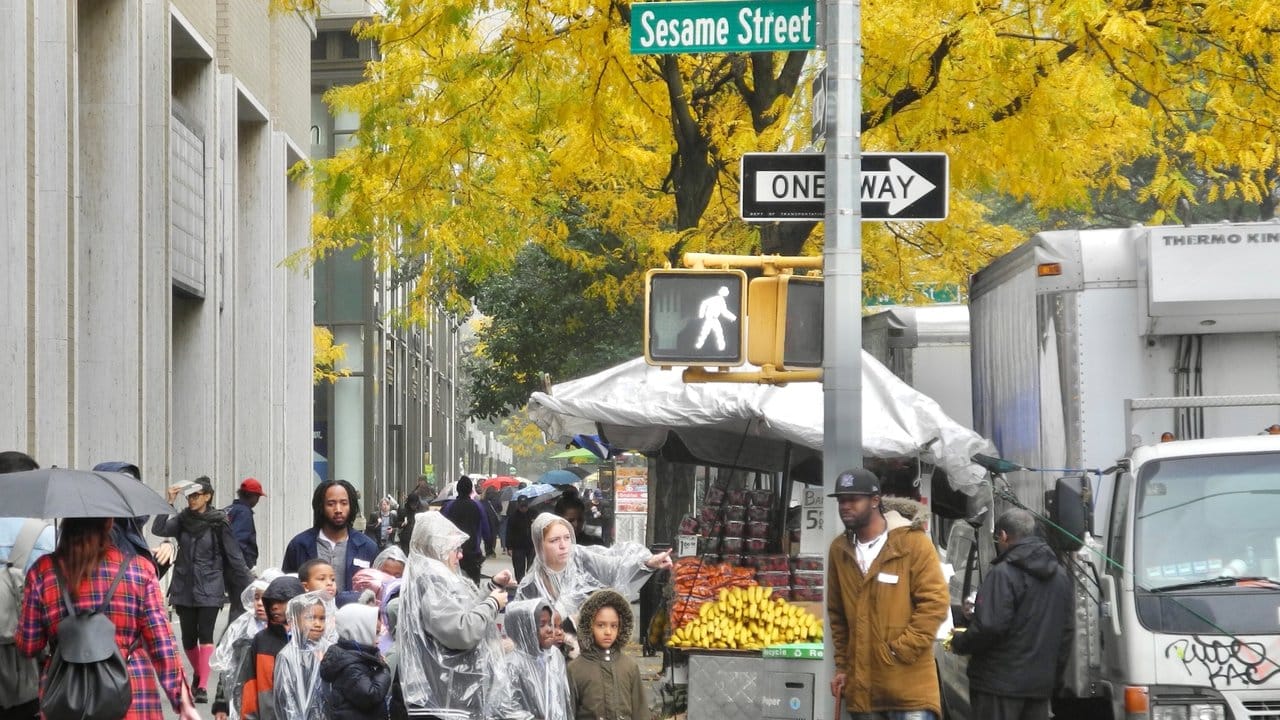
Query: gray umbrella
{"type": "Point", "coordinates": [68, 493]}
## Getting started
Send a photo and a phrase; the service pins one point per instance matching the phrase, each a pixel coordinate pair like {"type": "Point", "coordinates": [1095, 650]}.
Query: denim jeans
{"type": "Point", "coordinates": [895, 715]}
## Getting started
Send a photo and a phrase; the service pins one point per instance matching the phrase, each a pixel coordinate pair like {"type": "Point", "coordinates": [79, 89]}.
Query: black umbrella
{"type": "Point", "coordinates": [578, 470]}
{"type": "Point", "coordinates": [68, 493]}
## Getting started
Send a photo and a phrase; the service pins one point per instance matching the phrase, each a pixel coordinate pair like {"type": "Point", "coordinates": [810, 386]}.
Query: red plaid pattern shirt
{"type": "Point", "coordinates": [138, 612]}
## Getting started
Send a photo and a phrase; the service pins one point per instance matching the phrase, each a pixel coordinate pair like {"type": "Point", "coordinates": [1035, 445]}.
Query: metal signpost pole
{"type": "Point", "coordinates": [842, 261]}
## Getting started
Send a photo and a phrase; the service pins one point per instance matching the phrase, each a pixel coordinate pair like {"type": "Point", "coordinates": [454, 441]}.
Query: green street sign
{"type": "Point", "coordinates": [700, 26]}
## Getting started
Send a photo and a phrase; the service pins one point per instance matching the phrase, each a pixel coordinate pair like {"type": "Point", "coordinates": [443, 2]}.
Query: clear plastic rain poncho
{"type": "Point", "coordinates": [232, 652]}
{"type": "Point", "coordinates": [298, 690]}
{"type": "Point", "coordinates": [392, 553]}
{"type": "Point", "coordinates": [450, 655]}
{"type": "Point", "coordinates": [540, 679]}
{"type": "Point", "coordinates": [589, 568]}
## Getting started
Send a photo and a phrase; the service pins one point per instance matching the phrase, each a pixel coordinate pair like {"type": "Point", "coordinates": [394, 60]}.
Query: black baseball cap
{"type": "Point", "coordinates": [858, 481]}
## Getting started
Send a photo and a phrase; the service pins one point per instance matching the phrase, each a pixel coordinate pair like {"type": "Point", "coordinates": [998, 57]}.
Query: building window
{"type": "Point", "coordinates": [186, 205]}
{"type": "Point", "coordinates": [349, 46]}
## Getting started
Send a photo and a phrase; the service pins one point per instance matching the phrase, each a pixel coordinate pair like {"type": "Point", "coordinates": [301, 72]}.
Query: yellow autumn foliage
{"type": "Point", "coordinates": [326, 357]}
{"type": "Point", "coordinates": [483, 120]}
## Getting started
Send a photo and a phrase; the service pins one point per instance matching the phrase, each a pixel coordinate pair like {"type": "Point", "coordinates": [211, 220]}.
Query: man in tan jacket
{"type": "Point", "coordinates": [886, 598]}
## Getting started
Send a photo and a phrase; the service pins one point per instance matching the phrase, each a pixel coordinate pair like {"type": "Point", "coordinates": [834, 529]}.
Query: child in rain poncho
{"type": "Point", "coordinates": [450, 656]}
{"type": "Point", "coordinates": [299, 694]}
{"type": "Point", "coordinates": [540, 685]}
{"type": "Point", "coordinates": [231, 657]}
{"type": "Point", "coordinates": [565, 573]}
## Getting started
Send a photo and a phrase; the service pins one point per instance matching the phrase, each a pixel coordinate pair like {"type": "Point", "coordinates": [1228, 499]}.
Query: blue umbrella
{"type": "Point", "coordinates": [532, 491]}
{"type": "Point", "coordinates": [558, 477]}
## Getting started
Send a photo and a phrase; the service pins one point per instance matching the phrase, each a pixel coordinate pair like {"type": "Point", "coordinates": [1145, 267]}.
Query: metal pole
{"type": "Point", "coordinates": [842, 262]}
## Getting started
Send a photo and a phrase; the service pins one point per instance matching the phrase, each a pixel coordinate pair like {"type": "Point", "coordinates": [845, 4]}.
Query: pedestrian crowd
{"type": "Point", "coordinates": [393, 620]}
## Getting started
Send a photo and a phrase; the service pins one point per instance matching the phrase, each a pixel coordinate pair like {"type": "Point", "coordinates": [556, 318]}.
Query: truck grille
{"type": "Point", "coordinates": [1263, 709]}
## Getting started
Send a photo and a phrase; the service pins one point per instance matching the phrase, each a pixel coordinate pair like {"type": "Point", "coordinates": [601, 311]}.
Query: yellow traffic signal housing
{"type": "Point", "coordinates": [785, 315]}
{"type": "Point", "coordinates": [695, 317]}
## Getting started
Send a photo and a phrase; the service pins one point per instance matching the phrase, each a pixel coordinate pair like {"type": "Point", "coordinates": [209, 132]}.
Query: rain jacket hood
{"type": "Point", "coordinates": [541, 688]}
{"type": "Point", "coordinates": [434, 537]}
{"type": "Point", "coordinates": [1032, 555]}
{"type": "Point", "coordinates": [450, 656]}
{"type": "Point", "coordinates": [621, 567]}
{"type": "Point", "coordinates": [392, 553]}
{"type": "Point", "coordinates": [297, 674]}
{"type": "Point", "coordinates": [593, 605]}
{"type": "Point", "coordinates": [358, 624]}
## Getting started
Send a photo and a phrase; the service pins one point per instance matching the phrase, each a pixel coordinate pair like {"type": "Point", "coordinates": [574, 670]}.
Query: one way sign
{"type": "Point", "coordinates": [895, 186]}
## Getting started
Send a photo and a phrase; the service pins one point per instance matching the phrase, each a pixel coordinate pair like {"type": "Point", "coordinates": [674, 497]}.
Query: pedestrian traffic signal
{"type": "Point", "coordinates": [694, 317]}
{"type": "Point", "coordinates": [785, 322]}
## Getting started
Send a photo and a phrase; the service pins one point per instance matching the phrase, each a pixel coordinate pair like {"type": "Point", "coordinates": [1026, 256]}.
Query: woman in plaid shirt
{"type": "Point", "coordinates": [89, 562]}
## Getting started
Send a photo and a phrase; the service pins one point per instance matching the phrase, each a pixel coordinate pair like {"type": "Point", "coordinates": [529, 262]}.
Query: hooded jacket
{"type": "Point", "coordinates": [884, 622]}
{"type": "Point", "coordinates": [1020, 635]}
{"type": "Point", "coordinates": [621, 568]}
{"type": "Point", "coordinates": [539, 677]}
{"type": "Point", "coordinates": [209, 563]}
{"type": "Point", "coordinates": [449, 653]}
{"type": "Point", "coordinates": [606, 684]}
{"type": "Point", "coordinates": [358, 679]}
{"type": "Point", "coordinates": [298, 691]}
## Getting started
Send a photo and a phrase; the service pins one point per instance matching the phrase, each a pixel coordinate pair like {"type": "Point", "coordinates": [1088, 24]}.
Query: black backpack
{"type": "Point", "coordinates": [88, 676]}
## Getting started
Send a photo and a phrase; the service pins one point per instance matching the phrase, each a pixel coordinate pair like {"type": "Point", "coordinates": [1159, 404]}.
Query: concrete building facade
{"type": "Point", "coordinates": [146, 313]}
{"type": "Point", "coordinates": [400, 413]}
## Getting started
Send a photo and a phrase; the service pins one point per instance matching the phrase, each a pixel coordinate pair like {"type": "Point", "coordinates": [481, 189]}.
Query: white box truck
{"type": "Point", "coordinates": [1087, 348]}
{"type": "Point", "coordinates": [928, 347]}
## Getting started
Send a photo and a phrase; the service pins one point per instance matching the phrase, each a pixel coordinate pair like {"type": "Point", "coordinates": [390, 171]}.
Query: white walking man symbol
{"type": "Point", "coordinates": [711, 311]}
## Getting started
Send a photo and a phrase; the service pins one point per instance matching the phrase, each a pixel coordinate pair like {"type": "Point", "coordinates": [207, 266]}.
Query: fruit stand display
{"type": "Point", "coordinates": [747, 618]}
{"type": "Point", "coordinates": [739, 608]}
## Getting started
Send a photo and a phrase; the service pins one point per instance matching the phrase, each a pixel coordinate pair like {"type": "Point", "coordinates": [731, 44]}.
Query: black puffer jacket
{"type": "Point", "coordinates": [1020, 635]}
{"type": "Point", "coordinates": [359, 681]}
{"type": "Point", "coordinates": [209, 564]}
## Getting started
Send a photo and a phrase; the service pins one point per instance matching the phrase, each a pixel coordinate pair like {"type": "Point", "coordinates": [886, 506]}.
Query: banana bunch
{"type": "Point", "coordinates": [748, 619]}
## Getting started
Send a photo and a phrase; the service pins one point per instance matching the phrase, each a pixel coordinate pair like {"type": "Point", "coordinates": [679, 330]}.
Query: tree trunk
{"type": "Point", "coordinates": [784, 238]}
{"type": "Point", "coordinates": [671, 488]}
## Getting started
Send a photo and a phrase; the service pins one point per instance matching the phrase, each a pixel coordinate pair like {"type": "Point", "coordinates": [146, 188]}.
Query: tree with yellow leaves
{"type": "Point", "coordinates": [484, 120]}
{"type": "Point", "coordinates": [326, 357]}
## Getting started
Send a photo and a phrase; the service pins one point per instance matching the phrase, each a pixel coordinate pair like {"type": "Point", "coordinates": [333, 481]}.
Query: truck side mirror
{"type": "Point", "coordinates": [1068, 508]}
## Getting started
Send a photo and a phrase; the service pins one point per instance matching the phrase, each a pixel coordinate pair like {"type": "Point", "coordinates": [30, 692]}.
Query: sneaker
{"type": "Point", "coordinates": [201, 695]}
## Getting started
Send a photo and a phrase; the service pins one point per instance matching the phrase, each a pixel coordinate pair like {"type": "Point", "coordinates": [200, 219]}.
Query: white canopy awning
{"type": "Point", "coordinates": [639, 407]}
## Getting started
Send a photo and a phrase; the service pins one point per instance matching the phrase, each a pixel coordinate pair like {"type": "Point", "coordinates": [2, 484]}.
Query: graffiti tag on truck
{"type": "Point", "coordinates": [1226, 660]}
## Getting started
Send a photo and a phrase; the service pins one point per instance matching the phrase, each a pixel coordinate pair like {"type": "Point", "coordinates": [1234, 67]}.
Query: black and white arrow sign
{"type": "Point", "coordinates": [895, 186]}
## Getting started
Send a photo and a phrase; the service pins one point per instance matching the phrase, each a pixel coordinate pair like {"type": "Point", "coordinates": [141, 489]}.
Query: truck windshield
{"type": "Point", "coordinates": [1207, 517]}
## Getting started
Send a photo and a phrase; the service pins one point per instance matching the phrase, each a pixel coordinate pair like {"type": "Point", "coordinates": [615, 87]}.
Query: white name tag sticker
{"type": "Point", "coordinates": [887, 578]}
{"type": "Point", "coordinates": [365, 563]}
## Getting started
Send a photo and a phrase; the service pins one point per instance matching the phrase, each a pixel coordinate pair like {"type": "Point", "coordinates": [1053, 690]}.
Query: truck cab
{"type": "Point", "coordinates": [1190, 608]}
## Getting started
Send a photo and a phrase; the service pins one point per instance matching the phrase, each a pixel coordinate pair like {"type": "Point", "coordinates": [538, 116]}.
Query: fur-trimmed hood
{"type": "Point", "coordinates": [587, 615]}
{"type": "Point", "coordinates": [904, 512]}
